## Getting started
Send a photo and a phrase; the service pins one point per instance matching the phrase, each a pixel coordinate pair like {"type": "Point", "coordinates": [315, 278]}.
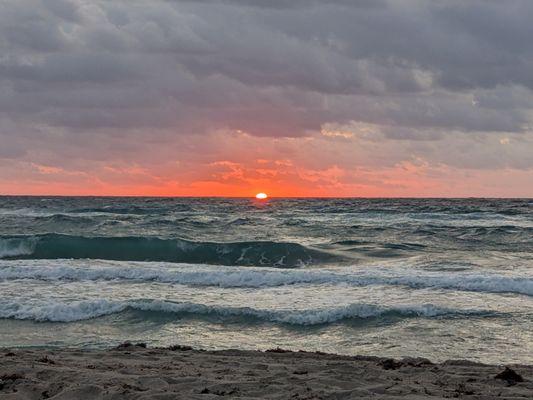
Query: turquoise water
{"type": "Point", "coordinates": [429, 277]}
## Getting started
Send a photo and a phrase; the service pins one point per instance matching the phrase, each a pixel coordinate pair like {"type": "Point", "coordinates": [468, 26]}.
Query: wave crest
{"type": "Point", "coordinates": [89, 309]}
{"type": "Point", "coordinates": [14, 247]}
{"type": "Point", "coordinates": [260, 253]}
{"type": "Point", "coordinates": [198, 275]}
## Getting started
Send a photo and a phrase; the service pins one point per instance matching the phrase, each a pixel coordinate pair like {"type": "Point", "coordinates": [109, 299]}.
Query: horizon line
{"type": "Point", "coordinates": [269, 197]}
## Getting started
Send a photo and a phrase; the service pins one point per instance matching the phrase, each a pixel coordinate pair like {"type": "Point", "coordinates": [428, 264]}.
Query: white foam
{"type": "Point", "coordinates": [14, 247]}
{"type": "Point", "coordinates": [250, 277]}
{"type": "Point", "coordinates": [56, 311]}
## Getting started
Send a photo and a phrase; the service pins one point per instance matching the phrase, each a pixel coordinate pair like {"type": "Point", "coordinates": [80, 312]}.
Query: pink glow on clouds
{"type": "Point", "coordinates": [311, 166]}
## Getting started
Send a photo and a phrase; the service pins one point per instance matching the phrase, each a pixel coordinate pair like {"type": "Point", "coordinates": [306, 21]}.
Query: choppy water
{"type": "Point", "coordinates": [435, 278]}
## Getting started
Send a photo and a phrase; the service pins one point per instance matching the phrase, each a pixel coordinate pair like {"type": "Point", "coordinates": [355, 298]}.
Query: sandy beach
{"type": "Point", "coordinates": [136, 372]}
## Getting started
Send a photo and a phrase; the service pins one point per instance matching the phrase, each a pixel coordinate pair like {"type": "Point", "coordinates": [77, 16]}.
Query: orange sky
{"type": "Point", "coordinates": [236, 164]}
{"type": "Point", "coordinates": [277, 178]}
{"type": "Point", "coordinates": [223, 98]}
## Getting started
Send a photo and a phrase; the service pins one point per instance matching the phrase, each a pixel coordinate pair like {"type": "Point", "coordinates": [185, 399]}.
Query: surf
{"type": "Point", "coordinates": [262, 277]}
{"type": "Point", "coordinates": [134, 248]}
{"type": "Point", "coordinates": [57, 311]}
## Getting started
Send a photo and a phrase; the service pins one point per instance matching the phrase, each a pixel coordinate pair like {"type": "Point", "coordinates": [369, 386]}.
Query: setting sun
{"type": "Point", "coordinates": [261, 196]}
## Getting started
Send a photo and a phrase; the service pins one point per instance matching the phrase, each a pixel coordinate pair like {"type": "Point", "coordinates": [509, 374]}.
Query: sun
{"type": "Point", "coordinates": [261, 196]}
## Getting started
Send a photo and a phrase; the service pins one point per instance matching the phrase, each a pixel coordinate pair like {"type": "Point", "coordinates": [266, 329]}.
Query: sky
{"type": "Point", "coordinates": [385, 98]}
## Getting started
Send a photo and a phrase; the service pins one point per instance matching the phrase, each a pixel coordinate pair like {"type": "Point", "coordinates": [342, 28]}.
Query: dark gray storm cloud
{"type": "Point", "coordinates": [417, 70]}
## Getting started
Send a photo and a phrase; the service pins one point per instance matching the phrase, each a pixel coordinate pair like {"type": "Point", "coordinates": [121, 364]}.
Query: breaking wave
{"type": "Point", "coordinates": [14, 247]}
{"type": "Point", "coordinates": [259, 253]}
{"type": "Point", "coordinates": [89, 309]}
{"type": "Point", "coordinates": [198, 275]}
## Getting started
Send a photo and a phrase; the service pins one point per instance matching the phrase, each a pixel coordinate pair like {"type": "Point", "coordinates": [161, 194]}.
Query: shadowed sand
{"type": "Point", "coordinates": [136, 372]}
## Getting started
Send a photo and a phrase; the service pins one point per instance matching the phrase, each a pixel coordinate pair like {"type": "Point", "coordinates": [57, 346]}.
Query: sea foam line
{"type": "Point", "coordinates": [233, 277]}
{"type": "Point", "coordinates": [55, 311]}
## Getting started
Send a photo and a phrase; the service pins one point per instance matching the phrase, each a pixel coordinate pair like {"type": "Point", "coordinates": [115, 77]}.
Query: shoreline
{"type": "Point", "coordinates": [139, 372]}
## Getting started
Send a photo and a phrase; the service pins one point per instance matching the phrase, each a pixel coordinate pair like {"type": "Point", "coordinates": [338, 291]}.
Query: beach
{"type": "Point", "coordinates": [132, 371]}
{"type": "Point", "coordinates": [284, 199]}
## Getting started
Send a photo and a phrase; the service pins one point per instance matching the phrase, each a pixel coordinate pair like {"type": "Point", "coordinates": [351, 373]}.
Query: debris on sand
{"type": "Point", "coordinates": [510, 376]}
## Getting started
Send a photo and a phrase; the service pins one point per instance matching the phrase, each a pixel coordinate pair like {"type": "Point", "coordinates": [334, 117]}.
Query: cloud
{"type": "Point", "coordinates": [84, 83]}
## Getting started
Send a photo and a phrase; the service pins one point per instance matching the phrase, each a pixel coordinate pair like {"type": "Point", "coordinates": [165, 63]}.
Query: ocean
{"type": "Point", "coordinates": [437, 278]}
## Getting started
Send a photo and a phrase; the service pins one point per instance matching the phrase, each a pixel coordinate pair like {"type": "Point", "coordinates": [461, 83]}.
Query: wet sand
{"type": "Point", "coordinates": [136, 372]}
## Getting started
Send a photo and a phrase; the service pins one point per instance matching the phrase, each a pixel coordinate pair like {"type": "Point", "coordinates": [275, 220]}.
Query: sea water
{"type": "Point", "coordinates": [438, 278]}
